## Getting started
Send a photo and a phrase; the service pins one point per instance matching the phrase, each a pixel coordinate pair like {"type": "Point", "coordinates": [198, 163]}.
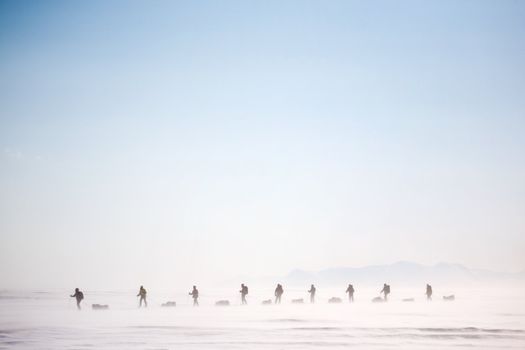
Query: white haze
{"type": "Point", "coordinates": [483, 318]}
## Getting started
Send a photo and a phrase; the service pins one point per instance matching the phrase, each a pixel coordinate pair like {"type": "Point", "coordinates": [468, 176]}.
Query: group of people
{"type": "Point", "coordinates": [350, 290]}
{"type": "Point", "coordinates": [279, 291]}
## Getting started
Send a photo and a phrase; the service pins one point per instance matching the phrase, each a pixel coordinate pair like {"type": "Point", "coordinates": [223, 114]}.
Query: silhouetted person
{"type": "Point", "coordinates": [385, 290]}
{"type": "Point", "coordinates": [429, 292]}
{"type": "Point", "coordinates": [350, 290]}
{"type": "Point", "coordinates": [142, 294]}
{"type": "Point", "coordinates": [195, 295]}
{"type": "Point", "coordinates": [244, 292]}
{"type": "Point", "coordinates": [78, 296]}
{"type": "Point", "coordinates": [312, 293]}
{"type": "Point", "coordinates": [278, 293]}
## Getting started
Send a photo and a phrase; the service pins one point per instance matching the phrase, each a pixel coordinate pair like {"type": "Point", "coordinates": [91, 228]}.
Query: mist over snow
{"type": "Point", "coordinates": [404, 273]}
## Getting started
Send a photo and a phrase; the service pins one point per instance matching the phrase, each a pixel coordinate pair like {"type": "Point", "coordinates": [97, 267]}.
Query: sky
{"type": "Point", "coordinates": [178, 142]}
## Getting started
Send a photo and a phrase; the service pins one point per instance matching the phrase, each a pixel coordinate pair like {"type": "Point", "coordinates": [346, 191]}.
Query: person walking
{"type": "Point", "coordinates": [278, 293]}
{"type": "Point", "coordinates": [195, 295]}
{"type": "Point", "coordinates": [142, 295]}
{"type": "Point", "coordinates": [429, 292]}
{"type": "Point", "coordinates": [244, 293]}
{"type": "Point", "coordinates": [350, 290]}
{"type": "Point", "coordinates": [79, 296]}
{"type": "Point", "coordinates": [312, 294]}
{"type": "Point", "coordinates": [385, 291]}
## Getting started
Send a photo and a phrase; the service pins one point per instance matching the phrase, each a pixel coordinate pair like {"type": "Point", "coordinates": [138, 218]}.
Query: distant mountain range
{"type": "Point", "coordinates": [404, 272]}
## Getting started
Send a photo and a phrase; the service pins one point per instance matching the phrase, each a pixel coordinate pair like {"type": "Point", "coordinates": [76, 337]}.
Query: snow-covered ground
{"type": "Point", "coordinates": [478, 318]}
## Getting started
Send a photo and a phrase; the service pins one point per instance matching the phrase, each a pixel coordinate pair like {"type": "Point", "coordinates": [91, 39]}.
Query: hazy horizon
{"type": "Point", "coordinates": [196, 141]}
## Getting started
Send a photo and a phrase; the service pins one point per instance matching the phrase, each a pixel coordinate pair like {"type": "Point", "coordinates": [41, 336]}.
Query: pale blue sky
{"type": "Point", "coordinates": [225, 138]}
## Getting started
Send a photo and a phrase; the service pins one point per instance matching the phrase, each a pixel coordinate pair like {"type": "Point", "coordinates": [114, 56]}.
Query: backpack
{"type": "Point", "coordinates": [245, 290]}
{"type": "Point", "coordinates": [80, 295]}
